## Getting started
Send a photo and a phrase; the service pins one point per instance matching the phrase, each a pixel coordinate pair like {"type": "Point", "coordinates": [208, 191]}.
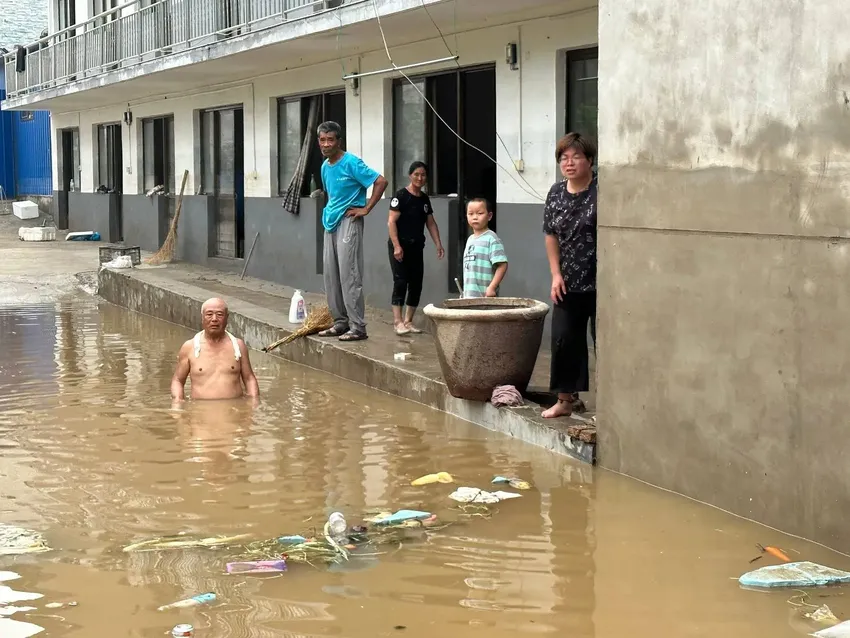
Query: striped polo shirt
{"type": "Point", "coordinates": [483, 253]}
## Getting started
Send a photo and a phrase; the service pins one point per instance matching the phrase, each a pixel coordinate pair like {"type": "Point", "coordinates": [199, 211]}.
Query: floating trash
{"type": "Point", "coordinates": [839, 631]}
{"type": "Point", "coordinates": [291, 540]}
{"type": "Point", "coordinates": [17, 540]}
{"type": "Point", "coordinates": [401, 516]}
{"type": "Point", "coordinates": [429, 479]}
{"type": "Point", "coordinates": [11, 610]}
{"type": "Point", "coordinates": [9, 595]}
{"type": "Point", "coordinates": [257, 567]}
{"type": "Point", "coordinates": [16, 629]}
{"type": "Point", "coordinates": [803, 574]}
{"type": "Point", "coordinates": [823, 614]}
{"type": "Point", "coordinates": [183, 542]}
{"type": "Point", "coordinates": [194, 601]}
{"type": "Point", "coordinates": [516, 483]}
{"type": "Point", "coordinates": [475, 495]}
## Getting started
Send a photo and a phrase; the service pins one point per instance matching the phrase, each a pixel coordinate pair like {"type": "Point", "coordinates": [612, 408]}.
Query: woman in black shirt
{"type": "Point", "coordinates": [569, 221]}
{"type": "Point", "coordinates": [410, 212]}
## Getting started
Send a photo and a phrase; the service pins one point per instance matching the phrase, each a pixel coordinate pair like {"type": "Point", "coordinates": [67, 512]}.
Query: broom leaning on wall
{"type": "Point", "coordinates": [165, 254]}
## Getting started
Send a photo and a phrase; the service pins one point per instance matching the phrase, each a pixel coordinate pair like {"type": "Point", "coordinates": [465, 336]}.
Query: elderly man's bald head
{"type": "Point", "coordinates": [216, 303]}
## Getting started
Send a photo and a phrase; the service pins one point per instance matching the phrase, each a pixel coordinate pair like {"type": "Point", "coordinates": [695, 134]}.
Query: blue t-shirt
{"type": "Point", "coordinates": [345, 183]}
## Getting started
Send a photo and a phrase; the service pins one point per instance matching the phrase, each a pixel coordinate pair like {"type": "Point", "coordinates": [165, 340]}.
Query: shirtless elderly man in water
{"type": "Point", "coordinates": [216, 361]}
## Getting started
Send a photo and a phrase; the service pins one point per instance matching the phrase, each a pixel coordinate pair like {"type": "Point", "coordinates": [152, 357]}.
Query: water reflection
{"type": "Point", "coordinates": [94, 455]}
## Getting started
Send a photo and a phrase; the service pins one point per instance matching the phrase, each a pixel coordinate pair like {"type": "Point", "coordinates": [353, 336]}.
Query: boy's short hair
{"type": "Point", "coordinates": [480, 200]}
{"type": "Point", "coordinates": [577, 142]}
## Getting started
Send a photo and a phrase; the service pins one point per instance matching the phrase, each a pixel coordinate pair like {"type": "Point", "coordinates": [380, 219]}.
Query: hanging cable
{"type": "Point", "coordinates": [530, 193]}
{"type": "Point", "coordinates": [499, 137]}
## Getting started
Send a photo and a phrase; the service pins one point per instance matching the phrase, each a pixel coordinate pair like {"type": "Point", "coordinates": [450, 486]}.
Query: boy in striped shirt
{"type": "Point", "coordinates": [484, 260]}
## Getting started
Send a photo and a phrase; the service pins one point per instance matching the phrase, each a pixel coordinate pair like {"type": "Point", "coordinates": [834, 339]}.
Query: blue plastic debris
{"type": "Point", "coordinates": [291, 540]}
{"type": "Point", "coordinates": [403, 515]}
{"type": "Point", "coordinates": [803, 574]}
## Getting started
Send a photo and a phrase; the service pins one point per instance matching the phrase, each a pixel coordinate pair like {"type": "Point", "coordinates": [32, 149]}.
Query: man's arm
{"type": "Point", "coordinates": [378, 189]}
{"type": "Point", "coordinates": [181, 373]}
{"type": "Point", "coordinates": [367, 177]}
{"type": "Point", "coordinates": [252, 387]}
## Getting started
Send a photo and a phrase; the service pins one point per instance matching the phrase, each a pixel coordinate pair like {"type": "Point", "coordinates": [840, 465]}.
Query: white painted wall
{"type": "Point", "coordinates": [530, 107]}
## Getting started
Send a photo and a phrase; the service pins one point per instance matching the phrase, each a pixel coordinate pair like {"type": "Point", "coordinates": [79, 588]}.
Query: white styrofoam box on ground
{"type": "Point", "coordinates": [39, 233]}
{"type": "Point", "coordinates": [25, 210]}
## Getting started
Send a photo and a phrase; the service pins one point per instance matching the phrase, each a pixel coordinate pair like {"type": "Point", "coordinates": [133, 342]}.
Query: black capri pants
{"type": "Point", "coordinates": [570, 359]}
{"type": "Point", "coordinates": [408, 273]}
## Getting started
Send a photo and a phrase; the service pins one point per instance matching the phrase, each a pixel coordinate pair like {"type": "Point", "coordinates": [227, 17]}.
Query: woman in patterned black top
{"type": "Point", "coordinates": [569, 222]}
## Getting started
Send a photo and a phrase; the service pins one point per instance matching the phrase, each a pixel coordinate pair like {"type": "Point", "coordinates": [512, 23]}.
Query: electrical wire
{"type": "Point", "coordinates": [499, 137]}
{"type": "Point", "coordinates": [530, 193]}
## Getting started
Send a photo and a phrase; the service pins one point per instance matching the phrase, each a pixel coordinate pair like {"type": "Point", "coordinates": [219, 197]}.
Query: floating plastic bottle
{"type": "Point", "coordinates": [296, 308]}
{"type": "Point", "coordinates": [337, 524]}
{"type": "Point", "coordinates": [194, 601]}
{"type": "Point", "coordinates": [183, 631]}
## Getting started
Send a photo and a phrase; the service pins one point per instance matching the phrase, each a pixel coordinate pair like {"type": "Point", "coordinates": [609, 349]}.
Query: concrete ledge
{"type": "Point", "coordinates": [154, 292]}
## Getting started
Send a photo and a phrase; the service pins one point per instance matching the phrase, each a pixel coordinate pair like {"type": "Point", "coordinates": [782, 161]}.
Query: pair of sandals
{"type": "Point", "coordinates": [344, 335]}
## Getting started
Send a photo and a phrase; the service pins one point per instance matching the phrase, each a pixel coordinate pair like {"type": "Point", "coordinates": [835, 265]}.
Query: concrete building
{"type": "Point", "coordinates": [223, 89]}
{"type": "Point", "coordinates": [724, 151]}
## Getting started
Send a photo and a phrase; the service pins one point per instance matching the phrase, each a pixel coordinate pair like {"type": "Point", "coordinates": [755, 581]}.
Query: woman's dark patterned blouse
{"type": "Point", "coordinates": [571, 218]}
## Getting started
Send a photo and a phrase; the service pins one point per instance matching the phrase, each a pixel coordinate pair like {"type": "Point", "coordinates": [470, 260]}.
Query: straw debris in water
{"type": "Point", "coordinates": [183, 542]}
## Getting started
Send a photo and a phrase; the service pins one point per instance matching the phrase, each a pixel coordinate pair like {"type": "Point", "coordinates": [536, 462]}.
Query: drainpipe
{"type": "Point", "coordinates": [519, 164]}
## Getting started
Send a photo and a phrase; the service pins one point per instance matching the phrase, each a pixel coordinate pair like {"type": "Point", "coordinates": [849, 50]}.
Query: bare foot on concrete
{"type": "Point", "coordinates": [561, 408]}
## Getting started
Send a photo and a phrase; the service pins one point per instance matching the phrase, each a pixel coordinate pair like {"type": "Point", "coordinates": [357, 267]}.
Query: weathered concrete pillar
{"type": "Point", "coordinates": [725, 254]}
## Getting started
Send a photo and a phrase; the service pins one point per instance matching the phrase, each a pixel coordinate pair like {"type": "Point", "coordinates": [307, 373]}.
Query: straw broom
{"type": "Point", "coordinates": [317, 320]}
{"type": "Point", "coordinates": [166, 253]}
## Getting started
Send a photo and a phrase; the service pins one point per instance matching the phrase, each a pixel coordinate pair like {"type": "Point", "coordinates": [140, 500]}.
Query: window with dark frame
{"type": "Point", "coordinates": [109, 158]}
{"type": "Point", "coordinates": [465, 98]}
{"type": "Point", "coordinates": [292, 119]}
{"type": "Point", "coordinates": [66, 14]}
{"type": "Point", "coordinates": [582, 92]}
{"type": "Point", "coordinates": [158, 152]}
{"type": "Point", "coordinates": [418, 134]}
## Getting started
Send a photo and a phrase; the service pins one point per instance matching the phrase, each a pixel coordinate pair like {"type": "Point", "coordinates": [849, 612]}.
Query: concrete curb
{"type": "Point", "coordinates": [180, 303]}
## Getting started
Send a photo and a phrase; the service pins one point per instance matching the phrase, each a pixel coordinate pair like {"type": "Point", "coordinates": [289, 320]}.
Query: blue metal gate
{"type": "Point", "coordinates": [31, 134]}
{"type": "Point", "coordinates": [7, 171]}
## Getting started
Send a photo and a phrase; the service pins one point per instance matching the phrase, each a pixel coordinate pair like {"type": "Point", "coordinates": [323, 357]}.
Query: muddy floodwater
{"type": "Point", "coordinates": [93, 457]}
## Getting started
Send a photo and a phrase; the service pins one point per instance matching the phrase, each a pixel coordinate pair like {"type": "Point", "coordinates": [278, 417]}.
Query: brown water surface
{"type": "Point", "coordinates": [93, 456]}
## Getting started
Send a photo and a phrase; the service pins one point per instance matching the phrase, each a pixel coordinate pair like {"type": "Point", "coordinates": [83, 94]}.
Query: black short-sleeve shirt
{"type": "Point", "coordinates": [571, 218]}
{"type": "Point", "coordinates": [414, 212]}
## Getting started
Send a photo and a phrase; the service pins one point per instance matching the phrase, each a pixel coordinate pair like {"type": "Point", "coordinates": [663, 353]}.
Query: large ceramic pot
{"type": "Point", "coordinates": [487, 342]}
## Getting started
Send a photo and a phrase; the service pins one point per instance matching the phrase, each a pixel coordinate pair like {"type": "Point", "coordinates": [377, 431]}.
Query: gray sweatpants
{"type": "Point", "coordinates": [342, 258]}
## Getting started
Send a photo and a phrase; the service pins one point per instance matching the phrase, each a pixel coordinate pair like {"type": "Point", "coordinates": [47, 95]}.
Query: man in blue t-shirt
{"type": "Point", "coordinates": [346, 178]}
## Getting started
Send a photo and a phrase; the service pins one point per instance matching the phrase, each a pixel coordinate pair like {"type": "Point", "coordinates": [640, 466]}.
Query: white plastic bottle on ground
{"type": "Point", "coordinates": [296, 308]}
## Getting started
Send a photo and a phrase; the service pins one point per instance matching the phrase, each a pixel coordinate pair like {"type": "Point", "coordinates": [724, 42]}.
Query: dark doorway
{"type": "Point", "coordinates": [466, 100]}
{"type": "Point", "coordinates": [110, 174]}
{"type": "Point", "coordinates": [222, 168]}
{"type": "Point", "coordinates": [69, 173]}
{"type": "Point", "coordinates": [69, 167]}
